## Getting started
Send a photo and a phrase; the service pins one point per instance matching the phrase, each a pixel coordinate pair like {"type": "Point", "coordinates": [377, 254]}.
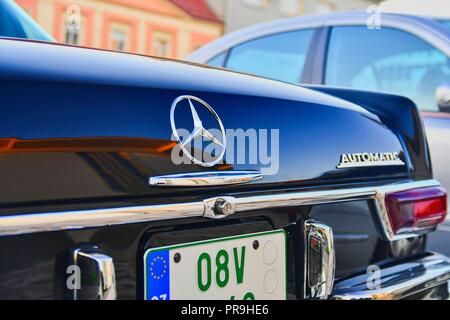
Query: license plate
{"type": "Point", "coordinates": [246, 267]}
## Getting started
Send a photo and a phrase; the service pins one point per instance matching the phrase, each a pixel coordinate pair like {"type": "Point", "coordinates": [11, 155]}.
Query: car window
{"type": "Point", "coordinates": [218, 61]}
{"type": "Point", "coordinates": [281, 56]}
{"type": "Point", "coordinates": [386, 60]}
{"type": "Point", "coordinates": [445, 23]}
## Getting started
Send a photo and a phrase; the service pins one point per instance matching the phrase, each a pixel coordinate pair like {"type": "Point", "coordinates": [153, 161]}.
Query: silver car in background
{"type": "Point", "coordinates": [400, 54]}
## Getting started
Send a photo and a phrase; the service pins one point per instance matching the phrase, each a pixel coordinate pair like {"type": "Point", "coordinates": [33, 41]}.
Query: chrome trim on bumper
{"type": "Point", "coordinates": [397, 282]}
{"type": "Point", "coordinates": [39, 222]}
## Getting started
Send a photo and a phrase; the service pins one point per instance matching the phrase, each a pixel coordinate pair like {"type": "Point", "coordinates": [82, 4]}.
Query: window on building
{"type": "Point", "coordinates": [73, 27]}
{"type": "Point", "coordinates": [387, 60]}
{"type": "Point", "coordinates": [162, 44]}
{"type": "Point", "coordinates": [119, 37]}
{"type": "Point", "coordinates": [72, 37]}
{"type": "Point", "coordinates": [280, 56]}
{"type": "Point", "coordinates": [118, 40]}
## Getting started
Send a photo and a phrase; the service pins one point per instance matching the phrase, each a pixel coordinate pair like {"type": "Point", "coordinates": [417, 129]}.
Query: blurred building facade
{"type": "Point", "coordinates": [240, 13]}
{"type": "Point", "coordinates": [431, 8]}
{"type": "Point", "coordinates": [166, 28]}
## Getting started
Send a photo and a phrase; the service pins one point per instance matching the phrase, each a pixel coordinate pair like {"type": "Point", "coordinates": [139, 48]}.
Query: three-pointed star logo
{"type": "Point", "coordinates": [199, 130]}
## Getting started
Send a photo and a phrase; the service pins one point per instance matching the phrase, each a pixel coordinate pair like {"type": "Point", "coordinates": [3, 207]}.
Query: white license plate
{"type": "Point", "coordinates": [246, 267]}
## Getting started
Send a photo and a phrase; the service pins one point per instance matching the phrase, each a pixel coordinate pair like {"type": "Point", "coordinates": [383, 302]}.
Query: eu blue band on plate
{"type": "Point", "coordinates": [158, 275]}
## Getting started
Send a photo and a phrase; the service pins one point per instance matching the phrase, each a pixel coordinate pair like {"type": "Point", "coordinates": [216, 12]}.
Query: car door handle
{"type": "Point", "coordinates": [208, 178]}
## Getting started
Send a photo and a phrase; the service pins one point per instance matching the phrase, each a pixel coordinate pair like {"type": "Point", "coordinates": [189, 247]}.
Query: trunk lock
{"type": "Point", "coordinates": [219, 208]}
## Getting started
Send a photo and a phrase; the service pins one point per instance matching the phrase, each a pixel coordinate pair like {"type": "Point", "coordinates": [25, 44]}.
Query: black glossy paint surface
{"type": "Point", "coordinates": [84, 129]}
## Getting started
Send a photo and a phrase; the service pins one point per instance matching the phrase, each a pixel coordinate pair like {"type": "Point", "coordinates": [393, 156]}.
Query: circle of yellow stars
{"type": "Point", "coordinates": [152, 267]}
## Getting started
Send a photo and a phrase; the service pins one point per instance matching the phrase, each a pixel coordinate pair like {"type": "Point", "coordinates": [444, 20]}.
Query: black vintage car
{"type": "Point", "coordinates": [129, 177]}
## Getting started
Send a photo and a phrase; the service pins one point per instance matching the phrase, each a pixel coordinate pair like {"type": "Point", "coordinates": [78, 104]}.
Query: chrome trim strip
{"type": "Point", "coordinates": [39, 222]}
{"type": "Point", "coordinates": [208, 178]}
{"type": "Point", "coordinates": [397, 282]}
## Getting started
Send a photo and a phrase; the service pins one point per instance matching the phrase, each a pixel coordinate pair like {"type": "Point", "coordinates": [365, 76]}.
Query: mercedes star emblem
{"type": "Point", "coordinates": [198, 130]}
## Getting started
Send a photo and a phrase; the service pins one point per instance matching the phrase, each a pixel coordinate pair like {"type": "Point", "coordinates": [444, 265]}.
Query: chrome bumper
{"type": "Point", "coordinates": [427, 278]}
{"type": "Point", "coordinates": [68, 220]}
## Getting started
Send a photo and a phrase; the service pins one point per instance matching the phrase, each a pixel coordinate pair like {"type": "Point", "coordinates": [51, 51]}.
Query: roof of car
{"type": "Point", "coordinates": [421, 26]}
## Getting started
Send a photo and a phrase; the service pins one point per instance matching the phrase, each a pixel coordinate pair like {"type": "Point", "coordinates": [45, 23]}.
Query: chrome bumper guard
{"type": "Point", "coordinates": [67, 220]}
{"type": "Point", "coordinates": [405, 280]}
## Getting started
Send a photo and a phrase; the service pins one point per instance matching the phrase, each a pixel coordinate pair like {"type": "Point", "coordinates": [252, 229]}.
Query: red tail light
{"type": "Point", "coordinates": [416, 209]}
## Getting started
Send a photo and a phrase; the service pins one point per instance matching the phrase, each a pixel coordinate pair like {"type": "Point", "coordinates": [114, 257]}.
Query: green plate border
{"type": "Point", "coordinates": [202, 242]}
